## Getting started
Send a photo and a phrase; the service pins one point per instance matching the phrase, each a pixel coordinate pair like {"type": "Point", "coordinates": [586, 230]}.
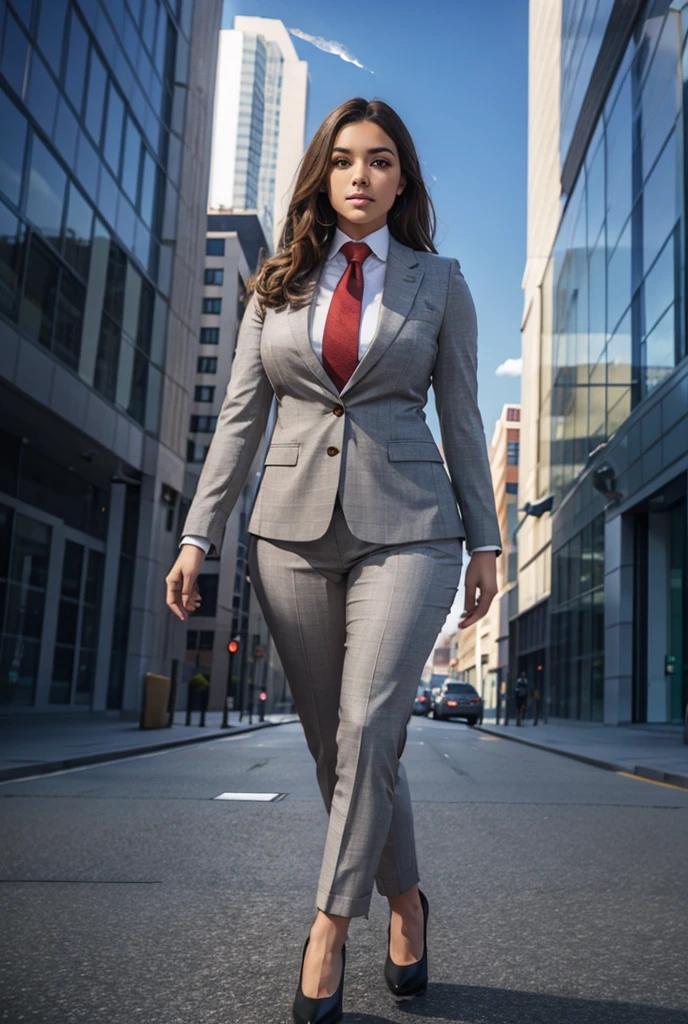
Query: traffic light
{"type": "Point", "coordinates": [233, 646]}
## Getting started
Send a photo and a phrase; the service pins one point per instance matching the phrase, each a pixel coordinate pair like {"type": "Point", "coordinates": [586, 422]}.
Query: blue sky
{"type": "Point", "coordinates": [456, 72]}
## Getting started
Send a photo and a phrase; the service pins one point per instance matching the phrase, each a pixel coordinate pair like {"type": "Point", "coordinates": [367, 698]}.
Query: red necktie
{"type": "Point", "coordinates": [340, 336]}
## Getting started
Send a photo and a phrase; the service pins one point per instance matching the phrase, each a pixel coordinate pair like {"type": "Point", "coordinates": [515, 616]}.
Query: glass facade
{"type": "Point", "coordinates": [577, 626]}
{"type": "Point", "coordinates": [613, 329]}
{"type": "Point", "coordinates": [250, 124]}
{"type": "Point", "coordinates": [613, 326]}
{"type": "Point", "coordinates": [89, 173]}
{"type": "Point", "coordinates": [90, 165]}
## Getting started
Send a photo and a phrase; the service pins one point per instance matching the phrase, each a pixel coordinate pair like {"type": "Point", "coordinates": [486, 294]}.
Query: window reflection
{"type": "Point", "coordinates": [659, 350]}
{"type": "Point", "coordinates": [95, 96]}
{"type": "Point", "coordinates": [69, 319]}
{"type": "Point", "coordinates": [40, 293]}
{"type": "Point", "coordinates": [15, 53]}
{"type": "Point", "coordinates": [41, 96]}
{"type": "Point", "coordinates": [113, 128]}
{"type": "Point", "coordinates": [11, 256]}
{"type": "Point", "coordinates": [51, 30]}
{"type": "Point", "coordinates": [75, 68]}
{"type": "Point", "coordinates": [76, 244]}
{"type": "Point", "coordinates": [47, 182]}
{"type": "Point", "coordinates": [659, 203]}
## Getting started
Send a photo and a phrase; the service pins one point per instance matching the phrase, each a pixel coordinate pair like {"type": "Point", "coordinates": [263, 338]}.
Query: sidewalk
{"type": "Point", "coordinates": [35, 744]}
{"type": "Point", "coordinates": [652, 751]}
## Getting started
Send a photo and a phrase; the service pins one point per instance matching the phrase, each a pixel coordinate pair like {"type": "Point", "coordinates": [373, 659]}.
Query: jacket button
{"type": "Point", "coordinates": [338, 410]}
{"type": "Point", "coordinates": [332, 450]}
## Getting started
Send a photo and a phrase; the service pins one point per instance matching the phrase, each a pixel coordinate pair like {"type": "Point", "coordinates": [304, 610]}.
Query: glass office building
{"type": "Point", "coordinates": [613, 441]}
{"type": "Point", "coordinates": [99, 180]}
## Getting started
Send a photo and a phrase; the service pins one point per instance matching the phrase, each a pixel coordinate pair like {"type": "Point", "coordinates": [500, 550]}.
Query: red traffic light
{"type": "Point", "coordinates": [233, 646]}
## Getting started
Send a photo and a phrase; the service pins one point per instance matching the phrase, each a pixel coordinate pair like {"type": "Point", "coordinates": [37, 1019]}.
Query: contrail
{"type": "Point", "coordinates": [330, 46]}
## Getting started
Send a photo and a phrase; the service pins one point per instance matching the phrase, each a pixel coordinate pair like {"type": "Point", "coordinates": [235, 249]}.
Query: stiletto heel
{"type": "Point", "coordinates": [409, 980]}
{"type": "Point", "coordinates": [328, 1009]}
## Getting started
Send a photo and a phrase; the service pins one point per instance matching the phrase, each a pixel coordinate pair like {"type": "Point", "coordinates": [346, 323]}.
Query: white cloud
{"type": "Point", "coordinates": [329, 46]}
{"type": "Point", "coordinates": [510, 368]}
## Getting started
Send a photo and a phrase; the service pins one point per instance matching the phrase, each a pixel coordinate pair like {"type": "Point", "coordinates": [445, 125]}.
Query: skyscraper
{"type": "Point", "coordinates": [258, 121]}
{"type": "Point", "coordinates": [605, 374]}
{"type": "Point", "coordinates": [106, 112]}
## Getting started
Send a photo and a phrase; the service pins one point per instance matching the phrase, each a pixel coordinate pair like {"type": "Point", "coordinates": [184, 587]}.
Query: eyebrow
{"type": "Point", "coordinates": [376, 149]}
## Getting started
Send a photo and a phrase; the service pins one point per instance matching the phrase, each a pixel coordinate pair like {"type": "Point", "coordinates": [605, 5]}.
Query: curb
{"type": "Point", "coordinates": [653, 774]}
{"type": "Point", "coordinates": [37, 769]}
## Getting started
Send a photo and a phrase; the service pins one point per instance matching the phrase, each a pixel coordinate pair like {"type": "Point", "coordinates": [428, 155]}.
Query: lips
{"type": "Point", "coordinates": [360, 196]}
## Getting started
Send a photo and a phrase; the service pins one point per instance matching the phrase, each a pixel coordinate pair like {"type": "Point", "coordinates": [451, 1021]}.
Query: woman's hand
{"type": "Point", "coordinates": [481, 575]}
{"type": "Point", "coordinates": [183, 595]}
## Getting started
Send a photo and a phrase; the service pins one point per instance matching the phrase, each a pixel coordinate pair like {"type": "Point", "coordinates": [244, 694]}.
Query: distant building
{"type": "Point", "coordinates": [482, 650]}
{"type": "Point", "coordinates": [259, 121]}
{"type": "Point", "coordinates": [235, 244]}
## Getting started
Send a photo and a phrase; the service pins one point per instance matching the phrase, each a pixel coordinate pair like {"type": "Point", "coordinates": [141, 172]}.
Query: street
{"type": "Point", "coordinates": [558, 891]}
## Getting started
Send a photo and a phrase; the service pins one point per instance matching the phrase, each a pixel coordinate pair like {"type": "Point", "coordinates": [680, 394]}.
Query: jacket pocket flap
{"type": "Point", "coordinates": [403, 451]}
{"type": "Point", "coordinates": [282, 455]}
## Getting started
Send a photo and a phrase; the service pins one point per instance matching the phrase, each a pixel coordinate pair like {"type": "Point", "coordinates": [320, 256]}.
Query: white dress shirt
{"type": "Point", "coordinates": [374, 267]}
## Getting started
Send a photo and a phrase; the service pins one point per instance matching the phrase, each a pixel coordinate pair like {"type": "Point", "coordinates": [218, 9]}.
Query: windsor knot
{"type": "Point", "coordinates": [356, 251]}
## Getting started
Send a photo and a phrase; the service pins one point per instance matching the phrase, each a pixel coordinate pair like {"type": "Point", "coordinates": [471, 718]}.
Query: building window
{"type": "Point", "coordinates": [199, 644]}
{"type": "Point", "coordinates": [206, 364]}
{"type": "Point", "coordinates": [512, 488]}
{"type": "Point", "coordinates": [196, 452]}
{"type": "Point", "coordinates": [210, 335]}
{"type": "Point", "coordinates": [204, 393]}
{"type": "Point", "coordinates": [11, 259]}
{"type": "Point", "coordinates": [207, 585]}
{"type": "Point", "coordinates": [202, 424]}
{"type": "Point", "coordinates": [14, 143]}
{"type": "Point", "coordinates": [213, 276]}
{"type": "Point", "coordinates": [212, 305]}
{"type": "Point", "coordinates": [47, 185]}
{"type": "Point", "coordinates": [513, 414]}
{"type": "Point", "coordinates": [512, 453]}
{"type": "Point", "coordinates": [214, 246]}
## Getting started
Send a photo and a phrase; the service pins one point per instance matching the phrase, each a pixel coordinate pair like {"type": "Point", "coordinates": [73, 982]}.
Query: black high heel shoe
{"type": "Point", "coordinates": [328, 1009]}
{"type": "Point", "coordinates": [405, 982]}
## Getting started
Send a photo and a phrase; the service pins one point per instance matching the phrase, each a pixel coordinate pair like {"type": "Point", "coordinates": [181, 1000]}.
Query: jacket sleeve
{"type": "Point", "coordinates": [455, 384]}
{"type": "Point", "coordinates": [240, 426]}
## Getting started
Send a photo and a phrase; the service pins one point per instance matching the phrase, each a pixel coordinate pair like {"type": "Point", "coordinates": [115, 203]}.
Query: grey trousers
{"type": "Point", "coordinates": [353, 623]}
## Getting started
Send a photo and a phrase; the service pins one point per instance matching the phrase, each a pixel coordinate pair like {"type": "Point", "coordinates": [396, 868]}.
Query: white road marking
{"type": "Point", "coordinates": [246, 796]}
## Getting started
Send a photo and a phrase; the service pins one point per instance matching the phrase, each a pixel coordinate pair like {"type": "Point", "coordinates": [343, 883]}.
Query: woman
{"type": "Point", "coordinates": [356, 540]}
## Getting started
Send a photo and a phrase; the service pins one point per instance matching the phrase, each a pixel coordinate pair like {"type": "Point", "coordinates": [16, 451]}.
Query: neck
{"type": "Point", "coordinates": [359, 231]}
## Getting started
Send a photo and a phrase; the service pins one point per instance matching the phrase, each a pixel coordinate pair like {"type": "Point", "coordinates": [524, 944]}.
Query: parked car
{"type": "Point", "coordinates": [458, 700]}
{"type": "Point", "coordinates": [421, 704]}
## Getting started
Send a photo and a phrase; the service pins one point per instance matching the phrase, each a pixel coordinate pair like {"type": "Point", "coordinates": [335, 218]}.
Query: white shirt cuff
{"type": "Point", "coordinates": [486, 547]}
{"type": "Point", "coordinates": [200, 542]}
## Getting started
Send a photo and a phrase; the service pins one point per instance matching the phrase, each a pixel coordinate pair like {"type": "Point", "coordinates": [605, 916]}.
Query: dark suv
{"type": "Point", "coordinates": [458, 700]}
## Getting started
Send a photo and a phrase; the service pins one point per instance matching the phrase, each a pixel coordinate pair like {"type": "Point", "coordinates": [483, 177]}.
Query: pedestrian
{"type": "Point", "coordinates": [521, 694]}
{"type": "Point", "coordinates": [356, 543]}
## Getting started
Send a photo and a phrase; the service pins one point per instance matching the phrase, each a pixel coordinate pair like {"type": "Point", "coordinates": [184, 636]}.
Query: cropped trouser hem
{"type": "Point", "coordinates": [345, 906]}
{"type": "Point", "coordinates": [350, 906]}
{"type": "Point", "coordinates": [404, 881]}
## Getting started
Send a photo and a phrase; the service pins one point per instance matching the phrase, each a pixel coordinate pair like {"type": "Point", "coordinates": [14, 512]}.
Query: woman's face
{"type": "Point", "coordinates": [363, 159]}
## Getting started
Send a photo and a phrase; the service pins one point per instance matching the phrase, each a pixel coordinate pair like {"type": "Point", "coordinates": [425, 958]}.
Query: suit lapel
{"type": "Point", "coordinates": [403, 276]}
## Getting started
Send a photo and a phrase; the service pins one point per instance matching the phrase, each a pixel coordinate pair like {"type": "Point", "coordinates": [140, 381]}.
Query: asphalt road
{"type": "Point", "coordinates": [558, 892]}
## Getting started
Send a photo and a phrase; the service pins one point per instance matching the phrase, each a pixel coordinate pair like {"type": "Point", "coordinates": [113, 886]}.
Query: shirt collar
{"type": "Point", "coordinates": [377, 240]}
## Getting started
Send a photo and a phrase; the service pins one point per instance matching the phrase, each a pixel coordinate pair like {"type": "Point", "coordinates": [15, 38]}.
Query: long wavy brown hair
{"type": "Point", "coordinates": [311, 221]}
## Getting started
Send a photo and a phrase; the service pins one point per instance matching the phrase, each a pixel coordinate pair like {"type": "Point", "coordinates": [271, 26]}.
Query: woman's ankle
{"type": "Point", "coordinates": [406, 902]}
{"type": "Point", "coordinates": [330, 926]}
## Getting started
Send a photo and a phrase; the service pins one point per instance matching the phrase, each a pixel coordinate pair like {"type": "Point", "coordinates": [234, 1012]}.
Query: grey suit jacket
{"type": "Point", "coordinates": [371, 441]}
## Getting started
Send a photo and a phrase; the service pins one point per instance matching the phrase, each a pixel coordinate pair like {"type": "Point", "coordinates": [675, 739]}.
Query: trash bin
{"type": "Point", "coordinates": [156, 699]}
